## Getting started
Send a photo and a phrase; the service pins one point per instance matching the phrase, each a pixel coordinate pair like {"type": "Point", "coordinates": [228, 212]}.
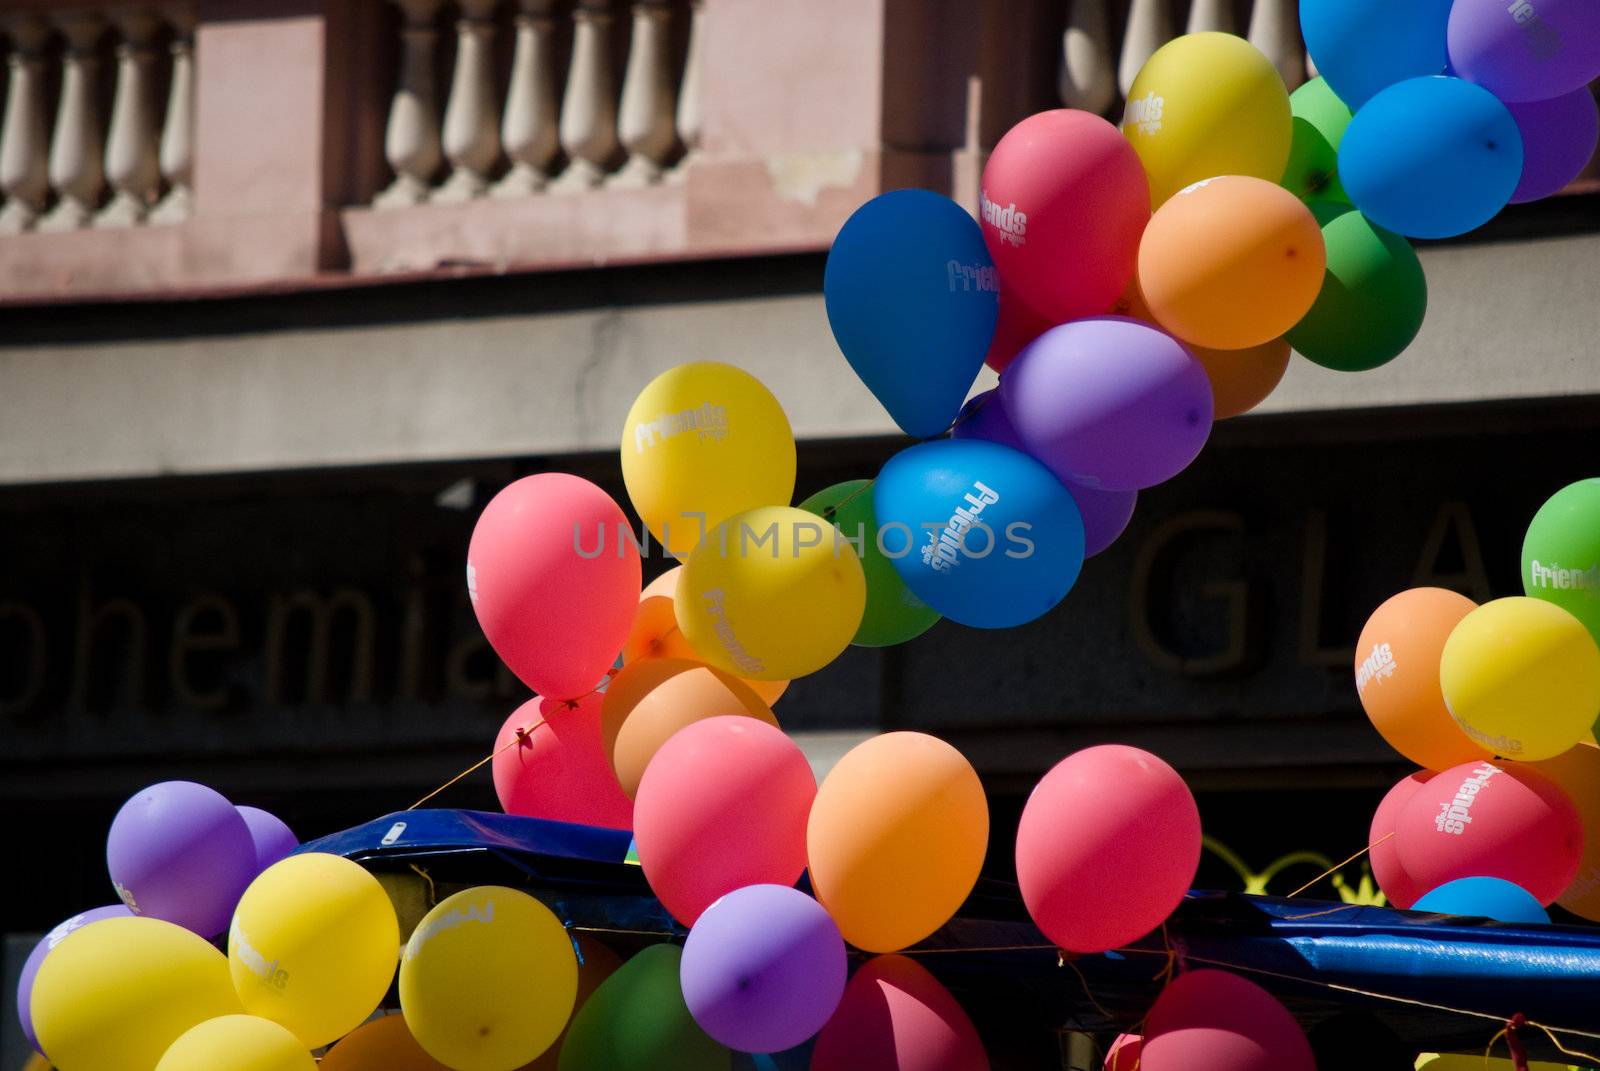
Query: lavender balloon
{"type": "Point", "coordinates": [1105, 513]}
{"type": "Point", "coordinates": [180, 852]}
{"type": "Point", "coordinates": [273, 839]}
{"type": "Point", "coordinates": [763, 969]}
{"type": "Point", "coordinates": [1523, 50]}
{"type": "Point", "coordinates": [1558, 138]}
{"type": "Point", "coordinates": [46, 945]}
{"type": "Point", "coordinates": [1110, 402]}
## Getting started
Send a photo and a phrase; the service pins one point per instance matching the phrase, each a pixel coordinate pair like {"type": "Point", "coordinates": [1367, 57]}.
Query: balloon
{"type": "Point", "coordinates": [558, 768]}
{"type": "Point", "coordinates": [655, 633]}
{"type": "Point", "coordinates": [1489, 898]}
{"type": "Point", "coordinates": [1221, 1022]}
{"type": "Point", "coordinates": [721, 806]}
{"type": "Point", "coordinates": [272, 837]}
{"type": "Point", "coordinates": [1124, 1053]}
{"type": "Point", "coordinates": [1106, 810]}
{"type": "Point", "coordinates": [648, 703]}
{"type": "Point", "coordinates": [1577, 773]}
{"type": "Point", "coordinates": [774, 595]}
{"type": "Point", "coordinates": [488, 979]}
{"type": "Point", "coordinates": [119, 993]}
{"type": "Point", "coordinates": [893, 614]}
{"type": "Point", "coordinates": [982, 533]}
{"type": "Point", "coordinates": [895, 1016]}
{"type": "Point", "coordinates": [237, 1043]}
{"type": "Point", "coordinates": [1018, 325]}
{"type": "Point", "coordinates": [1208, 104]}
{"type": "Point", "coordinates": [1483, 820]}
{"type": "Point", "coordinates": [596, 963]}
{"type": "Point", "coordinates": [1436, 179]}
{"type": "Point", "coordinates": [637, 1021]}
{"type": "Point", "coordinates": [1320, 119]}
{"type": "Point", "coordinates": [896, 838]}
{"type": "Point", "coordinates": [912, 298]}
{"type": "Point", "coordinates": [1231, 262]}
{"type": "Point", "coordinates": [1109, 403]}
{"type": "Point", "coordinates": [1522, 51]}
{"type": "Point", "coordinates": [553, 574]}
{"type": "Point", "coordinates": [313, 946]}
{"type": "Point", "coordinates": [1372, 299]}
{"type": "Point", "coordinates": [383, 1044]}
{"type": "Point", "coordinates": [763, 969]}
{"type": "Point", "coordinates": [1064, 180]}
{"type": "Point", "coordinates": [1561, 553]}
{"type": "Point", "coordinates": [1363, 46]}
{"type": "Point", "coordinates": [1521, 677]}
{"type": "Point", "coordinates": [47, 944]}
{"type": "Point", "coordinates": [1558, 140]}
{"type": "Point", "coordinates": [1460, 1061]}
{"type": "Point", "coordinates": [1397, 677]}
{"type": "Point", "coordinates": [1399, 887]}
{"type": "Point", "coordinates": [1105, 514]}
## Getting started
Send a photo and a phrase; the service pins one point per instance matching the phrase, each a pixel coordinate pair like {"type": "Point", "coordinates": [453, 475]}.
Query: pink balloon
{"type": "Point", "coordinates": [723, 804]}
{"type": "Point", "coordinates": [1485, 820]}
{"type": "Point", "coordinates": [1124, 1053]}
{"type": "Point", "coordinates": [1401, 888]}
{"type": "Point", "coordinates": [559, 770]}
{"type": "Point", "coordinates": [1106, 810]}
{"type": "Point", "coordinates": [895, 1016]}
{"type": "Point", "coordinates": [1217, 1021]}
{"type": "Point", "coordinates": [1017, 326]}
{"type": "Point", "coordinates": [554, 579]}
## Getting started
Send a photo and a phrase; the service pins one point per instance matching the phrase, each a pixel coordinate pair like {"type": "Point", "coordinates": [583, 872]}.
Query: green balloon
{"type": "Point", "coordinates": [1319, 122]}
{"type": "Point", "coordinates": [637, 1021]}
{"type": "Point", "coordinates": [893, 615]}
{"type": "Point", "coordinates": [1373, 296]}
{"type": "Point", "coordinates": [1561, 553]}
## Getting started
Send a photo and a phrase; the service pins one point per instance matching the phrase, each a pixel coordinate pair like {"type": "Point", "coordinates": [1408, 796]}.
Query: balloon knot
{"type": "Point", "coordinates": [522, 737]}
{"type": "Point", "coordinates": [1519, 1054]}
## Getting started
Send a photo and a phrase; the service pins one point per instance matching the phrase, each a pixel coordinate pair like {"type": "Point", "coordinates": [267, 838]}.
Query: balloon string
{"type": "Point", "coordinates": [1065, 960]}
{"type": "Point", "coordinates": [829, 513]}
{"type": "Point", "coordinates": [433, 896]}
{"type": "Point", "coordinates": [1331, 871]}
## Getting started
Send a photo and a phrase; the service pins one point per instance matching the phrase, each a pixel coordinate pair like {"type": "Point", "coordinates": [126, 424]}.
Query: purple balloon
{"type": "Point", "coordinates": [1105, 513]}
{"type": "Point", "coordinates": [47, 944]}
{"type": "Point", "coordinates": [1109, 402]}
{"type": "Point", "coordinates": [273, 839]}
{"type": "Point", "coordinates": [1522, 50]}
{"type": "Point", "coordinates": [1558, 138]}
{"type": "Point", "coordinates": [180, 852]}
{"type": "Point", "coordinates": [763, 969]}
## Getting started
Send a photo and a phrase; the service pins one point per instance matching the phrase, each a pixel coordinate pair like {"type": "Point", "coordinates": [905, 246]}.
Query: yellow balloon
{"type": "Point", "coordinates": [1577, 772]}
{"type": "Point", "coordinates": [123, 990]}
{"type": "Point", "coordinates": [704, 441]}
{"type": "Point", "coordinates": [489, 980]}
{"type": "Point", "coordinates": [1521, 677]}
{"type": "Point", "coordinates": [237, 1043]}
{"type": "Point", "coordinates": [1208, 104]}
{"type": "Point", "coordinates": [313, 946]}
{"type": "Point", "coordinates": [773, 594]}
{"type": "Point", "coordinates": [1458, 1061]}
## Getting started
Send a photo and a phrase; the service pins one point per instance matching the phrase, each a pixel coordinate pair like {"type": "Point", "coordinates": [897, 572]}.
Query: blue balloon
{"type": "Point", "coordinates": [1488, 898]}
{"type": "Point", "coordinates": [982, 533]}
{"type": "Point", "coordinates": [1363, 46]}
{"type": "Point", "coordinates": [1431, 157]}
{"type": "Point", "coordinates": [912, 298]}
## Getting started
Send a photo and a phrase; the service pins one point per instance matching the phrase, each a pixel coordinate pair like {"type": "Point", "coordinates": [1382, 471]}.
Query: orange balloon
{"type": "Point", "coordinates": [383, 1044]}
{"type": "Point", "coordinates": [1577, 773]}
{"type": "Point", "coordinates": [596, 963]}
{"type": "Point", "coordinates": [896, 838]}
{"type": "Point", "coordinates": [650, 700]}
{"type": "Point", "coordinates": [1397, 677]}
{"type": "Point", "coordinates": [655, 632]}
{"type": "Point", "coordinates": [1231, 262]}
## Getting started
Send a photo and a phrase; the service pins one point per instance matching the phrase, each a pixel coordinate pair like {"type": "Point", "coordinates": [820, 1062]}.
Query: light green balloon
{"type": "Point", "coordinates": [637, 1021]}
{"type": "Point", "coordinates": [1561, 553]}
{"type": "Point", "coordinates": [1320, 119]}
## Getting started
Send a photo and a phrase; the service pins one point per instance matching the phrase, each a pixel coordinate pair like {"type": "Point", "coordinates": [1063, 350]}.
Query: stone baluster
{"type": "Point", "coordinates": [688, 117]}
{"type": "Point", "coordinates": [1207, 15]}
{"type": "Point", "coordinates": [1149, 27]}
{"type": "Point", "coordinates": [1275, 30]}
{"type": "Point", "coordinates": [77, 149]}
{"type": "Point", "coordinates": [645, 122]}
{"type": "Point", "coordinates": [25, 134]}
{"type": "Point", "coordinates": [529, 127]}
{"type": "Point", "coordinates": [1087, 80]}
{"type": "Point", "coordinates": [471, 132]}
{"type": "Point", "coordinates": [589, 109]}
{"type": "Point", "coordinates": [411, 139]}
{"type": "Point", "coordinates": [177, 132]}
{"type": "Point", "coordinates": [133, 146]}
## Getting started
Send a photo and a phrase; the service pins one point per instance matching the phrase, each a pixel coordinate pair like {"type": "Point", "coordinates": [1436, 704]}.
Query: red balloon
{"type": "Point", "coordinates": [1221, 1022]}
{"type": "Point", "coordinates": [554, 579]}
{"type": "Point", "coordinates": [723, 804]}
{"type": "Point", "coordinates": [1017, 326]}
{"type": "Point", "coordinates": [1481, 819]}
{"type": "Point", "coordinates": [1401, 889]}
{"type": "Point", "coordinates": [559, 769]}
{"type": "Point", "coordinates": [895, 1016]}
{"type": "Point", "coordinates": [1064, 202]}
{"type": "Point", "coordinates": [1124, 1053]}
{"type": "Point", "coordinates": [1106, 810]}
